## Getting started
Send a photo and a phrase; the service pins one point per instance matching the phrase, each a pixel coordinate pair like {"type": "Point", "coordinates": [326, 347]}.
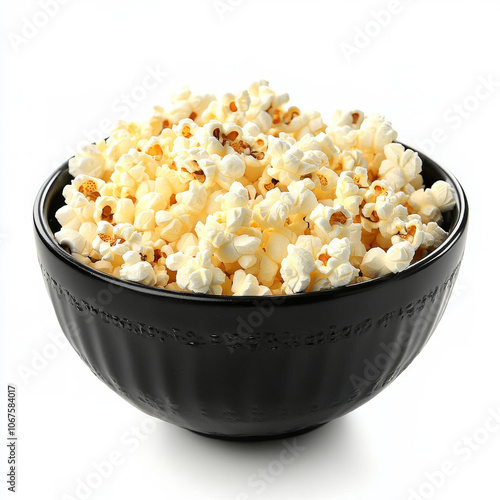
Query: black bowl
{"type": "Point", "coordinates": [248, 367]}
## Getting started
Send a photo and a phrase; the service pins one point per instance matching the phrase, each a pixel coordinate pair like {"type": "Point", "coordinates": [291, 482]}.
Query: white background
{"type": "Point", "coordinates": [61, 80]}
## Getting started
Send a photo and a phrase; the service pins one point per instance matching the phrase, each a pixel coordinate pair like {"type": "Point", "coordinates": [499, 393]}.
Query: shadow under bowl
{"type": "Point", "coordinates": [248, 367]}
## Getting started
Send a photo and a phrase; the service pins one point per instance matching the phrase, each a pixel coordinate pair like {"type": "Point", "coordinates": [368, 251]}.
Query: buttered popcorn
{"type": "Point", "coordinates": [246, 195]}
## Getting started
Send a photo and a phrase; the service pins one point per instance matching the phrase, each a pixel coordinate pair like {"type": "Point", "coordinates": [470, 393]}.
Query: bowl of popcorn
{"type": "Point", "coordinates": [240, 268]}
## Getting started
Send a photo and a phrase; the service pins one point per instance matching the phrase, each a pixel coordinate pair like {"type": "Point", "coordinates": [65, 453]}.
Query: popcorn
{"type": "Point", "coordinates": [277, 147]}
{"type": "Point", "coordinates": [75, 198]}
{"type": "Point", "coordinates": [177, 179]}
{"type": "Point", "coordinates": [344, 127]}
{"type": "Point", "coordinates": [444, 196]}
{"type": "Point", "coordinates": [71, 239]}
{"type": "Point", "coordinates": [309, 122]}
{"type": "Point", "coordinates": [294, 164]}
{"type": "Point", "coordinates": [377, 188]}
{"type": "Point", "coordinates": [124, 211]}
{"type": "Point", "coordinates": [234, 205]}
{"type": "Point", "coordinates": [185, 128]}
{"type": "Point", "coordinates": [89, 231]}
{"type": "Point", "coordinates": [187, 244]}
{"type": "Point", "coordinates": [375, 134]}
{"type": "Point", "coordinates": [73, 217]}
{"type": "Point", "coordinates": [274, 209]}
{"type": "Point", "coordinates": [194, 199]}
{"type": "Point", "coordinates": [431, 203]}
{"type": "Point", "coordinates": [303, 198]}
{"type": "Point", "coordinates": [394, 221]}
{"type": "Point", "coordinates": [162, 276]}
{"type": "Point", "coordinates": [373, 264]}
{"type": "Point", "coordinates": [191, 160]}
{"type": "Point", "coordinates": [330, 222]}
{"type": "Point", "coordinates": [128, 233]}
{"type": "Point", "coordinates": [171, 224]}
{"type": "Point", "coordinates": [399, 256]}
{"type": "Point", "coordinates": [105, 208]}
{"type": "Point", "coordinates": [246, 284]}
{"type": "Point", "coordinates": [105, 240]}
{"type": "Point", "coordinates": [89, 160]}
{"type": "Point", "coordinates": [247, 261]}
{"type": "Point", "coordinates": [231, 108]}
{"type": "Point", "coordinates": [412, 232]}
{"type": "Point", "coordinates": [152, 148]}
{"type": "Point", "coordinates": [296, 269]}
{"type": "Point", "coordinates": [196, 273]}
{"type": "Point", "coordinates": [102, 265]}
{"type": "Point", "coordinates": [276, 242]}
{"type": "Point", "coordinates": [400, 166]}
{"type": "Point", "coordinates": [263, 102]}
{"type": "Point", "coordinates": [226, 246]}
{"type": "Point", "coordinates": [358, 251]}
{"type": "Point", "coordinates": [246, 244]}
{"type": "Point", "coordinates": [319, 142]}
{"type": "Point", "coordinates": [160, 186]}
{"type": "Point", "coordinates": [230, 167]}
{"type": "Point", "coordinates": [209, 137]}
{"type": "Point", "coordinates": [88, 186]}
{"type": "Point", "coordinates": [309, 242]}
{"type": "Point", "coordinates": [373, 213]}
{"type": "Point", "coordinates": [135, 269]}
{"type": "Point", "coordinates": [333, 266]}
{"type": "Point", "coordinates": [124, 137]}
{"type": "Point", "coordinates": [246, 195]}
{"type": "Point", "coordinates": [433, 236]}
{"type": "Point", "coordinates": [350, 160]}
{"type": "Point", "coordinates": [325, 182]}
{"type": "Point", "coordinates": [377, 262]}
{"type": "Point", "coordinates": [264, 268]}
{"type": "Point", "coordinates": [348, 192]}
{"type": "Point", "coordinates": [268, 271]}
{"type": "Point", "coordinates": [129, 172]}
{"type": "Point", "coordinates": [185, 104]}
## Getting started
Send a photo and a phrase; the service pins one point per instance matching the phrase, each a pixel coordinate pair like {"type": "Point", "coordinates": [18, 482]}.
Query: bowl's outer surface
{"type": "Point", "coordinates": [247, 367]}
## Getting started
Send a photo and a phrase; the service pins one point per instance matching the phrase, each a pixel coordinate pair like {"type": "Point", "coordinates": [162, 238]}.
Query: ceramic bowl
{"type": "Point", "coordinates": [248, 367]}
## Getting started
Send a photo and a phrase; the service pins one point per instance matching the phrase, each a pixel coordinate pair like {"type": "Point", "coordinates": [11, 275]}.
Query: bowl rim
{"type": "Point", "coordinates": [43, 230]}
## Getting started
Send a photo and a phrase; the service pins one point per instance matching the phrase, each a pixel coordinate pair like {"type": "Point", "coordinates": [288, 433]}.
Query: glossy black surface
{"type": "Point", "coordinates": [247, 367]}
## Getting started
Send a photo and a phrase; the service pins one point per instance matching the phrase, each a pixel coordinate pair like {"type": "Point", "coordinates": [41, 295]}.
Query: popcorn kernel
{"type": "Point", "coordinates": [279, 203]}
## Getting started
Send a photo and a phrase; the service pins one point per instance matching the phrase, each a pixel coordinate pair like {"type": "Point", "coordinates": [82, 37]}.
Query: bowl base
{"type": "Point", "coordinates": [259, 438]}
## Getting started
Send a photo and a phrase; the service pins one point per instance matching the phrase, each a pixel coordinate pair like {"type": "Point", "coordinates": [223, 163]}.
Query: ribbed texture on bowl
{"type": "Point", "coordinates": [266, 382]}
{"type": "Point", "coordinates": [250, 368]}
